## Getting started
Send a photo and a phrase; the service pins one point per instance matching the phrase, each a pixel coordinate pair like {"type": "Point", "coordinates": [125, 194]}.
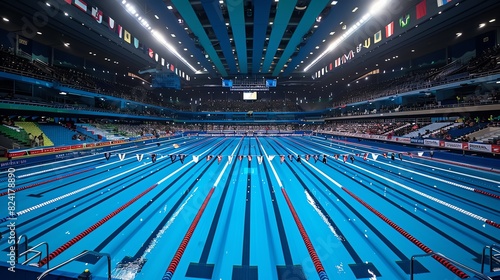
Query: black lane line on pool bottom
{"type": "Point", "coordinates": [404, 262]}
{"type": "Point", "coordinates": [289, 270]}
{"type": "Point", "coordinates": [136, 258]}
{"type": "Point", "coordinates": [246, 271]}
{"type": "Point", "coordinates": [359, 265]}
{"type": "Point", "coordinates": [202, 269]}
{"type": "Point", "coordinates": [477, 256]}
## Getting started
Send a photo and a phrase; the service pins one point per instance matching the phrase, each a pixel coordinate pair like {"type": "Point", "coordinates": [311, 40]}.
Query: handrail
{"type": "Point", "coordinates": [86, 252]}
{"type": "Point", "coordinates": [18, 240]}
{"type": "Point", "coordinates": [37, 253]}
{"type": "Point", "coordinates": [478, 274]}
{"type": "Point", "coordinates": [492, 248]}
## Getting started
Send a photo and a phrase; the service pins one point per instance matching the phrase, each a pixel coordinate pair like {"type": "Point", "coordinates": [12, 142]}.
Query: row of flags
{"type": "Point", "coordinates": [419, 12]}
{"type": "Point", "coordinates": [124, 34]}
{"type": "Point", "coordinates": [282, 158]}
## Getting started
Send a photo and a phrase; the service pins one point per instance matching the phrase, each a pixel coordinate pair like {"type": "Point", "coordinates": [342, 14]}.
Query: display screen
{"type": "Point", "coordinates": [271, 83]}
{"type": "Point", "coordinates": [250, 95]}
{"type": "Point", "coordinates": [227, 83]}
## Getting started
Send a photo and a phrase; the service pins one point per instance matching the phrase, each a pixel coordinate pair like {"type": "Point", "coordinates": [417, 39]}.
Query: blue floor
{"type": "Point", "coordinates": [246, 213]}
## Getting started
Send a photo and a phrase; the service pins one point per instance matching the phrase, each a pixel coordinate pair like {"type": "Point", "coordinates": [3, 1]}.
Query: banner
{"type": "Point", "coordinates": [431, 142]}
{"type": "Point", "coordinates": [480, 147]}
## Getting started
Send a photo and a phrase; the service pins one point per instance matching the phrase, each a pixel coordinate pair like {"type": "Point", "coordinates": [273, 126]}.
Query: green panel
{"type": "Point", "coordinates": [237, 21]}
{"type": "Point", "coordinates": [284, 12]}
{"type": "Point", "coordinates": [188, 14]}
{"type": "Point", "coordinates": [312, 12]}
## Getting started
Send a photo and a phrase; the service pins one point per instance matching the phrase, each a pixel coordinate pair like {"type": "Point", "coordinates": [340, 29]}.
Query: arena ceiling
{"type": "Point", "coordinates": [295, 41]}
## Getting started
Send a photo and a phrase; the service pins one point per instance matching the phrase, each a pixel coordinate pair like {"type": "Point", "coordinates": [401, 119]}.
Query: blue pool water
{"type": "Point", "coordinates": [262, 218]}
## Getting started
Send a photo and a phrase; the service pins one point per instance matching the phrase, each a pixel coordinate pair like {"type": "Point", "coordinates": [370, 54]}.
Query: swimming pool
{"type": "Point", "coordinates": [247, 213]}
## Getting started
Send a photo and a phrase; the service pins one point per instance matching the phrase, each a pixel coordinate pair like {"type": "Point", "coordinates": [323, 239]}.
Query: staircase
{"type": "Point", "coordinates": [31, 127]}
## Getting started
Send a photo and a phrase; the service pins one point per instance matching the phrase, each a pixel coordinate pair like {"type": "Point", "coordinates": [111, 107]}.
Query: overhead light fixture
{"type": "Point", "coordinates": [6, 19]}
{"type": "Point", "coordinates": [458, 34]}
{"type": "Point", "coordinates": [170, 7]}
{"type": "Point", "coordinates": [334, 3]}
{"type": "Point", "coordinates": [481, 25]}
{"type": "Point", "coordinates": [39, 33]}
{"type": "Point", "coordinates": [355, 9]}
{"type": "Point", "coordinates": [492, 20]}
{"type": "Point", "coordinates": [66, 44]}
{"type": "Point", "coordinates": [63, 93]}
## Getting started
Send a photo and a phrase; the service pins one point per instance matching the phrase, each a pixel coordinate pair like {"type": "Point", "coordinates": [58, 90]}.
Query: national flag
{"type": "Point", "coordinates": [443, 2]}
{"type": "Point", "coordinates": [136, 43]}
{"type": "Point", "coordinates": [282, 158]}
{"type": "Point", "coordinates": [367, 43]}
{"type": "Point", "coordinates": [182, 157]}
{"type": "Point", "coordinates": [107, 155]}
{"type": "Point", "coordinates": [219, 158]}
{"type": "Point", "coordinates": [365, 156]}
{"type": "Point", "coordinates": [384, 155]}
{"type": "Point", "coordinates": [196, 158]}
{"type": "Point", "coordinates": [270, 157]}
{"type": "Point", "coordinates": [229, 159]}
{"type": "Point", "coordinates": [338, 62]}
{"type": "Point", "coordinates": [259, 159]}
{"type": "Point", "coordinates": [345, 158]}
{"type": "Point", "coordinates": [249, 158]}
{"type": "Point", "coordinates": [290, 157]}
{"type": "Point", "coordinates": [404, 20]}
{"type": "Point", "coordinates": [421, 9]}
{"type": "Point", "coordinates": [175, 146]}
{"type": "Point", "coordinates": [315, 157]}
{"type": "Point", "coordinates": [330, 67]}
{"type": "Point", "coordinates": [127, 37]}
{"type": "Point", "coordinates": [119, 29]}
{"type": "Point", "coordinates": [374, 156]}
{"type": "Point", "coordinates": [121, 156]}
{"type": "Point", "coordinates": [240, 157]}
{"type": "Point", "coordinates": [307, 157]}
{"type": "Point", "coordinates": [389, 29]}
{"type": "Point", "coordinates": [156, 57]}
{"type": "Point", "coordinates": [209, 157]}
{"type": "Point", "coordinates": [139, 156]}
{"type": "Point", "coordinates": [81, 5]}
{"type": "Point", "coordinates": [68, 1]}
{"type": "Point", "coordinates": [162, 61]}
{"type": "Point", "coordinates": [111, 23]}
{"type": "Point", "coordinates": [420, 154]}
{"type": "Point", "coordinates": [150, 52]}
{"type": "Point", "coordinates": [324, 158]}
{"type": "Point", "coordinates": [377, 37]}
{"type": "Point", "coordinates": [172, 67]}
{"type": "Point", "coordinates": [173, 157]}
{"type": "Point", "coordinates": [336, 156]}
{"type": "Point", "coordinates": [153, 158]}
{"type": "Point", "coordinates": [97, 14]}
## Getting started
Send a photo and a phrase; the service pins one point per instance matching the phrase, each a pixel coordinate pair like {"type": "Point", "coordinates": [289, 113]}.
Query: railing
{"type": "Point", "coordinates": [493, 257]}
{"type": "Point", "coordinates": [477, 274]}
{"type": "Point", "coordinates": [84, 253]}
{"type": "Point", "coordinates": [28, 250]}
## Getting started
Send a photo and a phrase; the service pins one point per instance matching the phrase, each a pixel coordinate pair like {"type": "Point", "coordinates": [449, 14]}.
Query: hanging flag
{"type": "Point", "coordinates": [367, 43]}
{"type": "Point", "coordinates": [298, 158]}
{"type": "Point", "coordinates": [345, 158]}
{"type": "Point", "coordinates": [421, 9]}
{"type": "Point", "coordinates": [316, 157]}
{"type": "Point", "coordinates": [111, 23]}
{"type": "Point", "coordinates": [119, 29]}
{"type": "Point", "coordinates": [107, 155]}
{"type": "Point", "coordinates": [136, 43]}
{"type": "Point", "coordinates": [182, 157]}
{"type": "Point", "coordinates": [156, 57]}
{"type": "Point", "coordinates": [374, 156]}
{"type": "Point", "coordinates": [209, 157]}
{"type": "Point", "coordinates": [127, 37]}
{"type": "Point", "coordinates": [377, 37]}
{"type": "Point", "coordinates": [324, 159]}
{"type": "Point", "coordinates": [420, 154]}
{"type": "Point", "coordinates": [290, 157]}
{"type": "Point", "coordinates": [240, 157]}
{"type": "Point", "coordinates": [282, 158]}
{"type": "Point", "coordinates": [249, 158]}
{"type": "Point", "coordinates": [121, 156]}
{"type": "Point", "coordinates": [270, 157]}
{"type": "Point", "coordinates": [153, 158]}
{"type": "Point", "coordinates": [81, 5]}
{"type": "Point", "coordinates": [404, 20]}
{"type": "Point", "coordinates": [195, 158]}
{"type": "Point", "coordinates": [410, 154]}
{"type": "Point", "coordinates": [338, 62]}
{"type": "Point", "coordinates": [443, 2]}
{"type": "Point", "coordinates": [219, 159]}
{"type": "Point", "coordinates": [150, 52]}
{"type": "Point", "coordinates": [230, 158]}
{"type": "Point", "coordinates": [259, 159]}
{"type": "Point", "coordinates": [336, 156]}
{"type": "Point", "coordinates": [139, 156]}
{"type": "Point", "coordinates": [68, 1]}
{"type": "Point", "coordinates": [365, 157]}
{"type": "Point", "coordinates": [173, 157]}
{"type": "Point", "coordinates": [307, 157]}
{"type": "Point", "coordinates": [97, 14]}
{"type": "Point", "coordinates": [389, 29]}
{"type": "Point", "coordinates": [384, 155]}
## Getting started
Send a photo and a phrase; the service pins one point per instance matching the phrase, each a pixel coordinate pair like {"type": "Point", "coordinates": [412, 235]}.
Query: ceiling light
{"type": "Point", "coordinates": [63, 93]}
{"type": "Point", "coordinates": [5, 19]}
{"type": "Point", "coordinates": [354, 10]}
{"type": "Point", "coordinates": [458, 34]}
{"type": "Point", "coordinates": [331, 33]}
{"type": "Point", "coordinates": [48, 4]}
{"type": "Point", "coordinates": [66, 14]}
{"type": "Point", "coordinates": [481, 25]}
{"type": "Point", "coordinates": [157, 17]}
{"type": "Point", "coordinates": [334, 2]}
{"type": "Point", "coordinates": [169, 7]}
{"type": "Point", "coordinates": [39, 33]}
{"type": "Point", "coordinates": [66, 44]}
{"type": "Point", "coordinates": [492, 20]}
